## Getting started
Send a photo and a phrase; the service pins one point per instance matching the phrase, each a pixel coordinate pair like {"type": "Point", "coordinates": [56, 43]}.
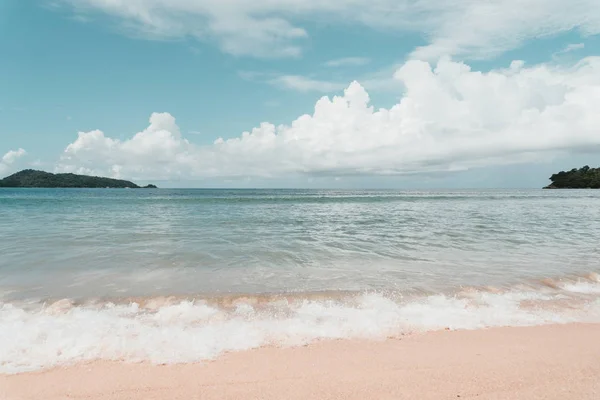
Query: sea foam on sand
{"type": "Point", "coordinates": [552, 362]}
{"type": "Point", "coordinates": [187, 331]}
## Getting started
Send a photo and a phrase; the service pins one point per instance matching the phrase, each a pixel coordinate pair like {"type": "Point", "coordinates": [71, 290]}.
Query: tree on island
{"type": "Point", "coordinates": [30, 178]}
{"type": "Point", "coordinates": [582, 178]}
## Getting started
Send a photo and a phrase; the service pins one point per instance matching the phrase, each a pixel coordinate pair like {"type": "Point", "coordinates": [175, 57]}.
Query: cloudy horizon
{"type": "Point", "coordinates": [473, 96]}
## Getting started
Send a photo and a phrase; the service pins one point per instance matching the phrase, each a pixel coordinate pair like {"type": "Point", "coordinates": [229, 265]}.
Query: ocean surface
{"type": "Point", "coordinates": [185, 275]}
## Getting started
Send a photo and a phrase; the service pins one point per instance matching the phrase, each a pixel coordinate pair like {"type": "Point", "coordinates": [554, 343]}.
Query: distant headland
{"type": "Point", "coordinates": [582, 178]}
{"type": "Point", "coordinates": [30, 178]}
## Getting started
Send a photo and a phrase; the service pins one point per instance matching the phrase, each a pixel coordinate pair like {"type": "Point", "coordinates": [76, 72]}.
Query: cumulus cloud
{"type": "Point", "coordinates": [159, 150]}
{"type": "Point", "coordinates": [12, 156]}
{"type": "Point", "coordinates": [449, 118]}
{"type": "Point", "coordinates": [8, 161]}
{"type": "Point", "coordinates": [267, 28]}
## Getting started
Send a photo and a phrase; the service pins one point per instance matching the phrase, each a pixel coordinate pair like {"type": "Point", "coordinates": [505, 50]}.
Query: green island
{"type": "Point", "coordinates": [30, 178]}
{"type": "Point", "coordinates": [582, 178]}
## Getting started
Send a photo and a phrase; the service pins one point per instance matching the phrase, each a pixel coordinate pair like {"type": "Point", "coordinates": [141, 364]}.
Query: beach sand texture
{"type": "Point", "coordinates": [544, 362]}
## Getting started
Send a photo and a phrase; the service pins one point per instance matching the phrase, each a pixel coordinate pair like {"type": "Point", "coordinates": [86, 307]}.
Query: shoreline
{"type": "Point", "coordinates": [537, 284]}
{"type": "Point", "coordinates": [541, 362]}
{"type": "Point", "coordinates": [162, 330]}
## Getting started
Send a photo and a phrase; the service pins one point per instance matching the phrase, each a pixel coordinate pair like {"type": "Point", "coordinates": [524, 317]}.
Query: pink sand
{"type": "Point", "coordinates": [550, 362]}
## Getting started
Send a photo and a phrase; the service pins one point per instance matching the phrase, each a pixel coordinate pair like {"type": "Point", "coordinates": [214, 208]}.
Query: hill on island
{"type": "Point", "coordinates": [582, 178]}
{"type": "Point", "coordinates": [30, 178]}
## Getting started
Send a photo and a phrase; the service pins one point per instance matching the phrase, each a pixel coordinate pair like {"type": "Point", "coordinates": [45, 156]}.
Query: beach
{"type": "Point", "coordinates": [297, 200]}
{"type": "Point", "coordinates": [299, 294]}
{"type": "Point", "coordinates": [543, 362]}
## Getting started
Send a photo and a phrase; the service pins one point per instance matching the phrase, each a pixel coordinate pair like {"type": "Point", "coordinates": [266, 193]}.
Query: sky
{"type": "Point", "coordinates": [301, 93]}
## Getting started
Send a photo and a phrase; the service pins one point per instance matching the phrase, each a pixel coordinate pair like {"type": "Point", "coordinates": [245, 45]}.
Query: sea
{"type": "Point", "coordinates": [185, 275]}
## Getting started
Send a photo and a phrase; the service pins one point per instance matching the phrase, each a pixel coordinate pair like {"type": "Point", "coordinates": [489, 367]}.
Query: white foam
{"type": "Point", "coordinates": [194, 331]}
{"type": "Point", "coordinates": [584, 287]}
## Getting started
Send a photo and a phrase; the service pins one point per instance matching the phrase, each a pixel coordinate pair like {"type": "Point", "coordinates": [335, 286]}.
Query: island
{"type": "Point", "coordinates": [30, 178]}
{"type": "Point", "coordinates": [582, 178]}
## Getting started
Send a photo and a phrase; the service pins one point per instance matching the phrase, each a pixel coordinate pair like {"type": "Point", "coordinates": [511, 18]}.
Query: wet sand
{"type": "Point", "coordinates": [548, 362]}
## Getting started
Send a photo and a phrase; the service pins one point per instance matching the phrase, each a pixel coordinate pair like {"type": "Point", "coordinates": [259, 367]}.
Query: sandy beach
{"type": "Point", "coordinates": [547, 362]}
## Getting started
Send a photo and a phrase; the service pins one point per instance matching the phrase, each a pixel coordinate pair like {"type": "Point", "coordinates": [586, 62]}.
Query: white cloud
{"type": "Point", "coordinates": [269, 28]}
{"type": "Point", "coordinates": [305, 84]}
{"type": "Point", "coordinates": [573, 47]}
{"type": "Point", "coordinates": [568, 49]}
{"type": "Point", "coordinates": [381, 81]}
{"type": "Point", "coordinates": [155, 150]}
{"type": "Point", "coordinates": [299, 83]}
{"type": "Point", "coordinates": [12, 156]}
{"type": "Point", "coordinates": [449, 118]}
{"type": "Point", "coordinates": [8, 161]}
{"type": "Point", "coordinates": [348, 62]}
{"type": "Point", "coordinates": [482, 29]}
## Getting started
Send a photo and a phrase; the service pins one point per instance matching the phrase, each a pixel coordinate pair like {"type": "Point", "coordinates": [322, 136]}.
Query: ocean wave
{"type": "Point", "coordinates": [171, 330]}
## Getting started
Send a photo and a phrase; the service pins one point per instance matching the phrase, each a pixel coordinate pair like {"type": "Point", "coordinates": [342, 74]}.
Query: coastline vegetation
{"type": "Point", "coordinates": [30, 178]}
{"type": "Point", "coordinates": [582, 178]}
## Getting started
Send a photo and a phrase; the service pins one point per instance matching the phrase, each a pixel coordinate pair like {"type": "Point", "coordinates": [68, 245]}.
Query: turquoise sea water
{"type": "Point", "coordinates": [103, 263]}
{"type": "Point", "coordinates": [72, 243]}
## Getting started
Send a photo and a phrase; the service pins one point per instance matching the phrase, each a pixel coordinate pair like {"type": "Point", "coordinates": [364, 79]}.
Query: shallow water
{"type": "Point", "coordinates": [183, 275]}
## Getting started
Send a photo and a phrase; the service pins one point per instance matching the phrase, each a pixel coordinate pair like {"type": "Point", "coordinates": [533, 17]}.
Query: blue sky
{"type": "Point", "coordinates": [217, 69]}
